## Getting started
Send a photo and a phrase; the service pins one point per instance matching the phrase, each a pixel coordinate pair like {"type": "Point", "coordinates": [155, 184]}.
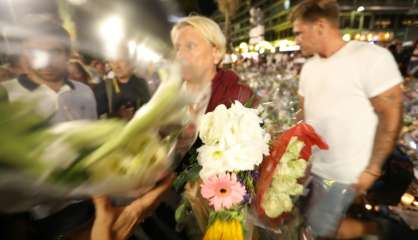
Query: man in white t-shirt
{"type": "Point", "coordinates": [350, 92]}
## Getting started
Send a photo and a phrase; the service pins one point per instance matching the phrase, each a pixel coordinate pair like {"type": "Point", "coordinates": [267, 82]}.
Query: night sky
{"type": "Point", "coordinates": [203, 7]}
{"type": "Point", "coordinates": [207, 7]}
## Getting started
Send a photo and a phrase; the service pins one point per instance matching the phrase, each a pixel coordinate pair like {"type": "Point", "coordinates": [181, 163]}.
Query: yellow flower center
{"type": "Point", "coordinates": [218, 154]}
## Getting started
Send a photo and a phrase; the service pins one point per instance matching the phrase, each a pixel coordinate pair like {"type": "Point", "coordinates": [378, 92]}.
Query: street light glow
{"type": "Point", "coordinates": [144, 53]}
{"type": "Point", "coordinates": [347, 37]}
{"type": "Point", "coordinates": [361, 9]}
{"type": "Point", "coordinates": [111, 31]}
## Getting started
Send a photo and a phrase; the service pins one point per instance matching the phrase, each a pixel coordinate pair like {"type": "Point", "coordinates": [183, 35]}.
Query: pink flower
{"type": "Point", "coordinates": [222, 191]}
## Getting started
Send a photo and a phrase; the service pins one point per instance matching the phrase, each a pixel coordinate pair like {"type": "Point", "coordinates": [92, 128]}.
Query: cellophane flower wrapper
{"type": "Point", "coordinates": [283, 176]}
{"type": "Point", "coordinates": [41, 163]}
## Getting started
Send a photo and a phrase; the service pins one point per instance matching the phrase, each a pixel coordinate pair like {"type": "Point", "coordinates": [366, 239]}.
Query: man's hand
{"type": "Point", "coordinates": [365, 181]}
{"type": "Point", "coordinates": [126, 113]}
{"type": "Point", "coordinates": [388, 108]}
{"type": "Point", "coordinates": [118, 223]}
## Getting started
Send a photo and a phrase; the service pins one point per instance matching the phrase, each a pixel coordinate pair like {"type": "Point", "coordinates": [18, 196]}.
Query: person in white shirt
{"type": "Point", "coordinates": [45, 85]}
{"type": "Point", "coordinates": [350, 92]}
{"type": "Point", "coordinates": [45, 82]}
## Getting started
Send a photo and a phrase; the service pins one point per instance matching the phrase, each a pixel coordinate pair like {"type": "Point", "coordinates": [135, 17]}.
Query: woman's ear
{"type": "Point", "coordinates": [217, 57]}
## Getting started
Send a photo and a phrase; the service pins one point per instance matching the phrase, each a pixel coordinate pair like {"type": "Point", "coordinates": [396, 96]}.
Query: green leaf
{"type": "Point", "coordinates": [182, 211]}
{"type": "Point", "coordinates": [190, 174]}
{"type": "Point", "coordinates": [250, 102]}
{"type": "Point", "coordinates": [238, 213]}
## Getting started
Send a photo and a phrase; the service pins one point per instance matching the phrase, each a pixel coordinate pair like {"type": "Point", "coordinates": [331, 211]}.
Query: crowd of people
{"type": "Point", "coordinates": [350, 92]}
{"type": "Point", "coordinates": [68, 86]}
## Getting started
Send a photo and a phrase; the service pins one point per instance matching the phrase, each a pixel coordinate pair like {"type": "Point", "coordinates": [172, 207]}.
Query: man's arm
{"type": "Point", "coordinates": [388, 107]}
{"type": "Point", "coordinates": [300, 115]}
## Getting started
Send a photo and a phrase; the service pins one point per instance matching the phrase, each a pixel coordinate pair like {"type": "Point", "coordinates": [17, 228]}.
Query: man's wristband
{"type": "Point", "coordinates": [373, 173]}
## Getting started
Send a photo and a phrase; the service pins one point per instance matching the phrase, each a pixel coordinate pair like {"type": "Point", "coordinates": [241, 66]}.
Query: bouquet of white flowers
{"type": "Point", "coordinates": [89, 157]}
{"type": "Point", "coordinates": [283, 172]}
{"type": "Point", "coordinates": [234, 144]}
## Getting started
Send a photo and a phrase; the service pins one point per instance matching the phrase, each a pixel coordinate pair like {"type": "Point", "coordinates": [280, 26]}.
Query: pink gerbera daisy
{"type": "Point", "coordinates": [222, 191]}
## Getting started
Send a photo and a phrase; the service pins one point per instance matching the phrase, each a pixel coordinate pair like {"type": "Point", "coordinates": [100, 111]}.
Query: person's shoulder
{"type": "Point", "coordinates": [368, 49]}
{"type": "Point", "coordinates": [311, 60]}
{"type": "Point", "coordinates": [227, 77]}
{"type": "Point", "coordinates": [309, 64]}
{"type": "Point", "coordinates": [10, 82]}
{"type": "Point", "coordinates": [80, 86]}
{"type": "Point", "coordinates": [230, 73]}
{"type": "Point", "coordinates": [137, 79]}
{"type": "Point", "coordinates": [236, 82]}
{"type": "Point", "coordinates": [12, 86]}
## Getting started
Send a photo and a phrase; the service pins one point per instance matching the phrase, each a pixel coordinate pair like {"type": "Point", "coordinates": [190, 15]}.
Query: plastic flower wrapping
{"type": "Point", "coordinates": [81, 158]}
{"type": "Point", "coordinates": [283, 174]}
{"type": "Point", "coordinates": [42, 161]}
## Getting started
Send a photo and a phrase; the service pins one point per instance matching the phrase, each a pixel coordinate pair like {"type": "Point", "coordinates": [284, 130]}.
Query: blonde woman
{"type": "Point", "coordinates": [200, 46]}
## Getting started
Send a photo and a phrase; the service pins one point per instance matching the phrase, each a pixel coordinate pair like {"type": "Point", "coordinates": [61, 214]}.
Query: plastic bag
{"type": "Point", "coordinates": [304, 133]}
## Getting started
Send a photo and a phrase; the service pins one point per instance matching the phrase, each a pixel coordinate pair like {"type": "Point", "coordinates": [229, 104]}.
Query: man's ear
{"type": "Point", "coordinates": [321, 25]}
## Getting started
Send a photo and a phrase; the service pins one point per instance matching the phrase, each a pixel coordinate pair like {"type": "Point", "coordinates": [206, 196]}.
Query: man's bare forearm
{"type": "Point", "coordinates": [384, 143]}
{"type": "Point", "coordinates": [389, 112]}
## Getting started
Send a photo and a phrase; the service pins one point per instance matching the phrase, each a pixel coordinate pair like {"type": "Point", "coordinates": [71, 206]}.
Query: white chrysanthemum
{"type": "Point", "coordinates": [213, 159]}
{"type": "Point", "coordinates": [214, 126]}
{"type": "Point", "coordinates": [233, 140]}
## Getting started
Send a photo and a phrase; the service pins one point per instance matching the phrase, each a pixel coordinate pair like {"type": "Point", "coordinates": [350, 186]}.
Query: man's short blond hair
{"type": "Point", "coordinates": [312, 10]}
{"type": "Point", "coordinates": [207, 27]}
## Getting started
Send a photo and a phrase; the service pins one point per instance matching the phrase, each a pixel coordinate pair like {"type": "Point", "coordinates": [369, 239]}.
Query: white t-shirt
{"type": "Point", "coordinates": [73, 101]}
{"type": "Point", "coordinates": [336, 91]}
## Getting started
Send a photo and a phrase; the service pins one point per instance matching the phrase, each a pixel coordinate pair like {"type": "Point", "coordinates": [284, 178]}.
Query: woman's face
{"type": "Point", "coordinates": [197, 55]}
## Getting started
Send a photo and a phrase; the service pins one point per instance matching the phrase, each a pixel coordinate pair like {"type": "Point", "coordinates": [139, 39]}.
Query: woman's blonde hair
{"type": "Point", "coordinates": [207, 27]}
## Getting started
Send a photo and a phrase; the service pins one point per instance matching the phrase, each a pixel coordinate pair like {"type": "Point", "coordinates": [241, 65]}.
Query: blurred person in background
{"type": "Point", "coordinates": [100, 68]}
{"type": "Point", "coordinates": [413, 63]}
{"type": "Point", "coordinates": [395, 48]}
{"type": "Point", "coordinates": [123, 94]}
{"type": "Point", "coordinates": [44, 84]}
{"type": "Point", "coordinates": [405, 56]}
{"type": "Point", "coordinates": [44, 76]}
{"type": "Point", "coordinates": [12, 69]}
{"type": "Point", "coordinates": [77, 72]}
